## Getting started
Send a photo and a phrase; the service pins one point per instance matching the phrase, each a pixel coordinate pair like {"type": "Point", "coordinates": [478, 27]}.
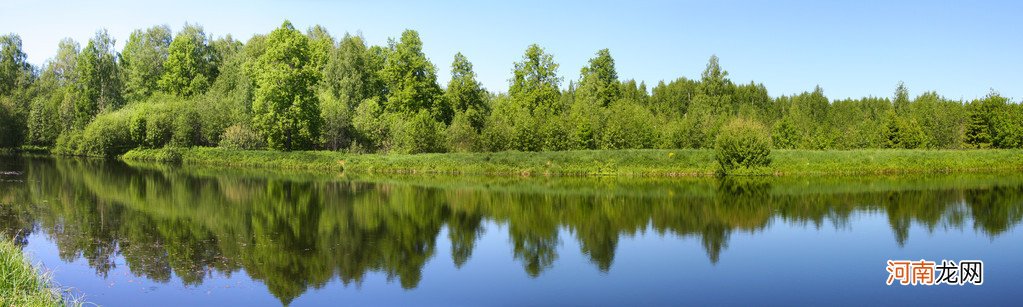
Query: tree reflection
{"type": "Point", "coordinates": [298, 231]}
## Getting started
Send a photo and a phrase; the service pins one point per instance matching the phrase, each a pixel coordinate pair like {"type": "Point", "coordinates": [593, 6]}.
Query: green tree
{"type": "Point", "coordinates": [286, 109]}
{"type": "Point", "coordinates": [412, 80]}
{"type": "Point", "coordinates": [901, 99]}
{"type": "Point", "coordinates": [321, 45]}
{"type": "Point", "coordinates": [599, 81]}
{"type": "Point", "coordinates": [535, 82]}
{"type": "Point", "coordinates": [15, 77]}
{"type": "Point", "coordinates": [191, 65]}
{"type": "Point", "coordinates": [142, 61]}
{"type": "Point", "coordinates": [715, 84]}
{"type": "Point", "coordinates": [15, 71]}
{"type": "Point", "coordinates": [980, 127]}
{"type": "Point", "coordinates": [467, 95]}
{"type": "Point", "coordinates": [673, 98]}
{"type": "Point", "coordinates": [97, 85]}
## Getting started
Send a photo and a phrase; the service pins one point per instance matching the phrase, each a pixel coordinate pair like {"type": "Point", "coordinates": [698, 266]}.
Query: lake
{"type": "Point", "coordinates": [159, 235]}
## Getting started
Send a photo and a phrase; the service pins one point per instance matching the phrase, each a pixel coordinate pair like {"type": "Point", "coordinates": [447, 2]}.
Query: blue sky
{"type": "Point", "coordinates": [850, 48]}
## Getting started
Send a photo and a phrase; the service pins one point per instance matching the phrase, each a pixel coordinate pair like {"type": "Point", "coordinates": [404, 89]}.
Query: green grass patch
{"type": "Point", "coordinates": [661, 163]}
{"type": "Point", "coordinates": [21, 284]}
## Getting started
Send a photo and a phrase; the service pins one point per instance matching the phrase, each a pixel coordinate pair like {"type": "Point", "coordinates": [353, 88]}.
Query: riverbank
{"type": "Point", "coordinates": [21, 284]}
{"type": "Point", "coordinates": [652, 162]}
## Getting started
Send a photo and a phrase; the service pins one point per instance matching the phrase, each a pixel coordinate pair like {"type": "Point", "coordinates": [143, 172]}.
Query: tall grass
{"type": "Point", "coordinates": [631, 162]}
{"type": "Point", "coordinates": [21, 284]}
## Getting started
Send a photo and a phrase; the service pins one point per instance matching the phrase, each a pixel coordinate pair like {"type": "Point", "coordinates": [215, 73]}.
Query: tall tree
{"type": "Point", "coordinates": [599, 80]}
{"type": "Point", "coordinates": [716, 88]}
{"type": "Point", "coordinates": [287, 111]}
{"type": "Point", "coordinates": [901, 99]}
{"type": "Point", "coordinates": [15, 76]}
{"type": "Point", "coordinates": [15, 71]}
{"type": "Point", "coordinates": [321, 44]}
{"type": "Point", "coordinates": [348, 75]}
{"type": "Point", "coordinates": [535, 82]}
{"type": "Point", "coordinates": [412, 80]}
{"type": "Point", "coordinates": [191, 64]}
{"type": "Point", "coordinates": [465, 93]}
{"type": "Point", "coordinates": [142, 61]}
{"type": "Point", "coordinates": [97, 84]}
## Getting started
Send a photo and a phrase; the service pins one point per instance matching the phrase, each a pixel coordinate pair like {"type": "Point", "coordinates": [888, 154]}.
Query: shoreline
{"type": "Point", "coordinates": [598, 163]}
{"type": "Point", "coordinates": [23, 284]}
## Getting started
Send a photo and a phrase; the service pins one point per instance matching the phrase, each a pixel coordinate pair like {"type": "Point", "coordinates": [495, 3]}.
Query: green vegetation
{"type": "Point", "coordinates": [295, 91]}
{"type": "Point", "coordinates": [743, 144]}
{"type": "Point", "coordinates": [21, 284]}
{"type": "Point", "coordinates": [631, 162]}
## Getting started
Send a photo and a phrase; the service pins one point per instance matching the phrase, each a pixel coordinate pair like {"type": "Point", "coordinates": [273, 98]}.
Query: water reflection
{"type": "Point", "coordinates": [296, 231]}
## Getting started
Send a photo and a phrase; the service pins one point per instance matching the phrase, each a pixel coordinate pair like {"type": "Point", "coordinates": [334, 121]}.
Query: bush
{"type": "Point", "coordinates": [241, 137]}
{"type": "Point", "coordinates": [12, 124]}
{"type": "Point", "coordinates": [743, 143]}
{"type": "Point", "coordinates": [461, 136]}
{"type": "Point", "coordinates": [418, 134]}
{"type": "Point", "coordinates": [106, 136]}
{"type": "Point", "coordinates": [370, 124]}
{"type": "Point", "coordinates": [187, 129]}
{"type": "Point", "coordinates": [629, 125]}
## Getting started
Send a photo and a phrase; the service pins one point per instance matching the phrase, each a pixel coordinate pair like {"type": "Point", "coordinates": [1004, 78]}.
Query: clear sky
{"type": "Point", "coordinates": [850, 48]}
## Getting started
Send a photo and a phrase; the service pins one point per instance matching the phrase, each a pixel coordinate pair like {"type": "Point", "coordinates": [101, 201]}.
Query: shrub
{"type": "Point", "coordinates": [628, 125]}
{"type": "Point", "coordinates": [12, 124]}
{"type": "Point", "coordinates": [187, 128]}
{"type": "Point", "coordinates": [370, 124]}
{"type": "Point", "coordinates": [418, 134]}
{"type": "Point", "coordinates": [461, 136]}
{"type": "Point", "coordinates": [743, 143]}
{"type": "Point", "coordinates": [241, 137]}
{"type": "Point", "coordinates": [106, 136]}
{"type": "Point", "coordinates": [496, 134]}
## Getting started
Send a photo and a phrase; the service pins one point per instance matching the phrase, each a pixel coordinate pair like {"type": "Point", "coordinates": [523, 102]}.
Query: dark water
{"type": "Point", "coordinates": [158, 235]}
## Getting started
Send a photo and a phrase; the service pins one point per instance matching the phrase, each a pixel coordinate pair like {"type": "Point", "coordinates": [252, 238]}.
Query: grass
{"type": "Point", "coordinates": [21, 284]}
{"type": "Point", "coordinates": [647, 162]}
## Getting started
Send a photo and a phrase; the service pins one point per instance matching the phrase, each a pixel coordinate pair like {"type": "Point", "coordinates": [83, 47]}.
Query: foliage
{"type": "Point", "coordinates": [418, 134]}
{"type": "Point", "coordinates": [97, 85]}
{"type": "Point", "coordinates": [465, 94]}
{"type": "Point", "coordinates": [412, 80]}
{"type": "Point", "coordinates": [12, 124]}
{"type": "Point", "coordinates": [191, 64]}
{"type": "Point", "coordinates": [743, 143]}
{"type": "Point", "coordinates": [286, 110]}
{"type": "Point", "coordinates": [311, 91]}
{"type": "Point", "coordinates": [21, 284]}
{"type": "Point", "coordinates": [142, 61]}
{"type": "Point", "coordinates": [461, 136]}
{"type": "Point", "coordinates": [241, 137]}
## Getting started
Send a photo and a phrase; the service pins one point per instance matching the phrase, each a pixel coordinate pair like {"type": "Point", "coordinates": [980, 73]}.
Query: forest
{"type": "Point", "coordinates": [289, 91]}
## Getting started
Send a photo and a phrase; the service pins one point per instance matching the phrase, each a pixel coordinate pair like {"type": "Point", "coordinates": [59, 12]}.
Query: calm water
{"type": "Point", "coordinates": [157, 235]}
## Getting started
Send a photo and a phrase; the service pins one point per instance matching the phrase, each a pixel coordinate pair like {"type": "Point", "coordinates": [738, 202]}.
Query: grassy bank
{"type": "Point", "coordinates": [20, 283]}
{"type": "Point", "coordinates": [687, 162]}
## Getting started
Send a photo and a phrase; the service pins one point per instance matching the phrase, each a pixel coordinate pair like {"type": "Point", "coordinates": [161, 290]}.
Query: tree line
{"type": "Point", "coordinates": [289, 90]}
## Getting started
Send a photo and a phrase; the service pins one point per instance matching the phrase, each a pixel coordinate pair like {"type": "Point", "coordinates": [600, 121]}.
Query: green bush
{"type": "Point", "coordinates": [106, 136]}
{"type": "Point", "coordinates": [370, 124]}
{"type": "Point", "coordinates": [743, 143]}
{"type": "Point", "coordinates": [460, 135]}
{"type": "Point", "coordinates": [187, 128]}
{"type": "Point", "coordinates": [241, 137]}
{"type": "Point", "coordinates": [12, 124]}
{"type": "Point", "coordinates": [628, 126]}
{"type": "Point", "coordinates": [418, 134]}
{"type": "Point", "coordinates": [496, 133]}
